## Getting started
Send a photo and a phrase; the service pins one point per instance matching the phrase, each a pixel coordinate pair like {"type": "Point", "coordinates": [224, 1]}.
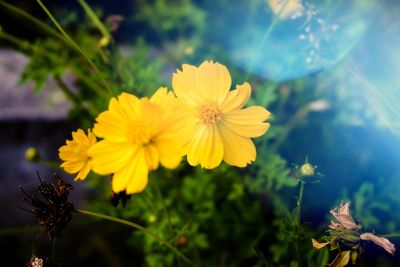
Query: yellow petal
{"type": "Point", "coordinates": [160, 95]}
{"type": "Point", "coordinates": [67, 154]}
{"type": "Point", "coordinates": [83, 172]}
{"type": "Point", "coordinates": [92, 137]}
{"type": "Point", "coordinates": [134, 176]}
{"type": "Point", "coordinates": [237, 98]}
{"type": "Point", "coordinates": [152, 115]}
{"type": "Point", "coordinates": [152, 157]}
{"type": "Point", "coordinates": [247, 122]}
{"type": "Point", "coordinates": [318, 245]}
{"type": "Point", "coordinates": [130, 106]}
{"type": "Point", "coordinates": [110, 126]}
{"type": "Point", "coordinates": [342, 259]}
{"type": "Point", "coordinates": [115, 108]}
{"type": "Point", "coordinates": [80, 137]}
{"type": "Point", "coordinates": [238, 150]}
{"type": "Point", "coordinates": [206, 147]}
{"type": "Point", "coordinates": [108, 157]}
{"type": "Point", "coordinates": [213, 81]}
{"type": "Point", "coordinates": [72, 166]}
{"type": "Point", "coordinates": [170, 153]}
{"type": "Point", "coordinates": [183, 83]}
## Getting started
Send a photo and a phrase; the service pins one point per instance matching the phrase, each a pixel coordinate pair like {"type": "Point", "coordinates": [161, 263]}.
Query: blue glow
{"type": "Point", "coordinates": [293, 48]}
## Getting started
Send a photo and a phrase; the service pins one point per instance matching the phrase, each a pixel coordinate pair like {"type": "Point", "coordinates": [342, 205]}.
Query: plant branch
{"type": "Point", "coordinates": [140, 228]}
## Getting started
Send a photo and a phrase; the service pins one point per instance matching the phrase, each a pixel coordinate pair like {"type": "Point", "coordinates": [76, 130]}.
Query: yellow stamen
{"type": "Point", "coordinates": [139, 133]}
{"type": "Point", "coordinates": [210, 114]}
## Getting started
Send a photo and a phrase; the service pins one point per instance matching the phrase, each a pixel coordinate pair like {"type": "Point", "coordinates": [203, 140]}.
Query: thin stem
{"type": "Point", "coordinates": [90, 13]}
{"type": "Point", "coordinates": [300, 115]}
{"type": "Point", "coordinates": [265, 37]}
{"type": "Point", "coordinates": [140, 228]}
{"type": "Point", "coordinates": [299, 202]}
{"type": "Point", "coordinates": [67, 92]}
{"type": "Point", "coordinates": [19, 230]}
{"type": "Point", "coordinates": [75, 45]}
{"type": "Point", "coordinates": [397, 234]}
{"type": "Point", "coordinates": [164, 207]}
{"type": "Point", "coordinates": [298, 220]}
{"type": "Point", "coordinates": [71, 96]}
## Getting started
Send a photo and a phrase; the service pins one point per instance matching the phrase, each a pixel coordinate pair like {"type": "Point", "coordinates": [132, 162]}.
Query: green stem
{"type": "Point", "coordinates": [164, 207]}
{"type": "Point", "coordinates": [67, 92]}
{"type": "Point", "coordinates": [90, 13]}
{"type": "Point", "coordinates": [19, 230]}
{"type": "Point", "coordinates": [299, 202]}
{"type": "Point", "coordinates": [298, 220]}
{"type": "Point", "coordinates": [71, 96]}
{"type": "Point", "coordinates": [265, 38]}
{"type": "Point", "coordinates": [50, 164]}
{"type": "Point", "coordinates": [140, 228]}
{"type": "Point", "coordinates": [397, 234]}
{"type": "Point", "coordinates": [295, 120]}
{"type": "Point", "coordinates": [75, 45]}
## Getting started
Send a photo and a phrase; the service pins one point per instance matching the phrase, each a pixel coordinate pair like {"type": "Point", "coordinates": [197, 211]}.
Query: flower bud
{"type": "Point", "coordinates": [152, 218]}
{"type": "Point", "coordinates": [32, 154]}
{"type": "Point", "coordinates": [307, 169]}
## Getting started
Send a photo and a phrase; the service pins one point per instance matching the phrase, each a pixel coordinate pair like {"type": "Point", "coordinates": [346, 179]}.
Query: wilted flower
{"type": "Point", "coordinates": [114, 21]}
{"type": "Point", "coordinates": [380, 241]}
{"type": "Point", "coordinates": [50, 205]}
{"type": "Point", "coordinates": [343, 216]}
{"type": "Point", "coordinates": [120, 197]}
{"type": "Point", "coordinates": [74, 153]}
{"type": "Point", "coordinates": [138, 135]}
{"type": "Point", "coordinates": [35, 262]}
{"type": "Point", "coordinates": [345, 235]}
{"type": "Point", "coordinates": [216, 126]}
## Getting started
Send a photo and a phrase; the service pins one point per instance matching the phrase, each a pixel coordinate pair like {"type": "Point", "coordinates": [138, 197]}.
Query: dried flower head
{"type": "Point", "coordinates": [35, 262]}
{"type": "Point", "coordinates": [50, 205]}
{"type": "Point", "coordinates": [345, 235]}
{"type": "Point", "coordinates": [120, 197]}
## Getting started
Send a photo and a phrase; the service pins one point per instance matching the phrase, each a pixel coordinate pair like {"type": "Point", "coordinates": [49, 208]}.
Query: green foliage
{"type": "Point", "coordinates": [48, 59]}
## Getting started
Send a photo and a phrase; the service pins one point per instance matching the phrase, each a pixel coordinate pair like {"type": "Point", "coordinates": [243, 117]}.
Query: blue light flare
{"type": "Point", "coordinates": [286, 49]}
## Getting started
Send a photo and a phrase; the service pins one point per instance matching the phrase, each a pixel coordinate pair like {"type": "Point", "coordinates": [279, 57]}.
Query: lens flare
{"type": "Point", "coordinates": [315, 39]}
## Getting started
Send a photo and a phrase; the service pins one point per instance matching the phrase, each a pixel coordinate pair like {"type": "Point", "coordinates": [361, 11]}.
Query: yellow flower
{"type": "Point", "coordinates": [216, 126]}
{"type": "Point", "coordinates": [74, 154]}
{"type": "Point", "coordinates": [138, 134]}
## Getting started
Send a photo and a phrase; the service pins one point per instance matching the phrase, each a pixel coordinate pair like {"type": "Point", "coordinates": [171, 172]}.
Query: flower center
{"type": "Point", "coordinates": [210, 113]}
{"type": "Point", "coordinates": [80, 151]}
{"type": "Point", "coordinates": [139, 133]}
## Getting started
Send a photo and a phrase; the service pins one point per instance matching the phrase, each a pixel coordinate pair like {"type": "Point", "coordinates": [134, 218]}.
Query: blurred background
{"type": "Point", "coordinates": [328, 72]}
